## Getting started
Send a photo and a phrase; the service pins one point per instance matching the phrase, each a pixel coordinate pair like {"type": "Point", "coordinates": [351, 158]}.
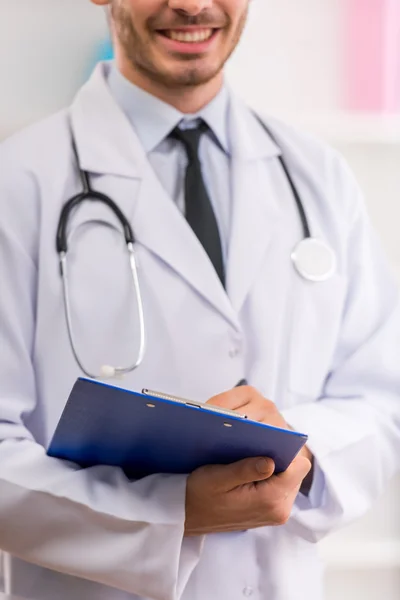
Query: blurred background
{"type": "Point", "coordinates": [331, 67]}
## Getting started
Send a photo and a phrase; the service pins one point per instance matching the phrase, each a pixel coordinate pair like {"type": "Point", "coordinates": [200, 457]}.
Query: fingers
{"type": "Point", "coordinates": [249, 470]}
{"type": "Point", "coordinates": [234, 399]}
{"type": "Point", "coordinates": [248, 400]}
{"type": "Point", "coordinates": [295, 473]}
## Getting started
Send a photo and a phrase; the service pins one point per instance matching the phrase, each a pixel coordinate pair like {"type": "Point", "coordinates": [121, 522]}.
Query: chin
{"type": "Point", "coordinates": [190, 76]}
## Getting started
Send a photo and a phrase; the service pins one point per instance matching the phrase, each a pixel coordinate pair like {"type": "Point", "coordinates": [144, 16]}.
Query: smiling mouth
{"type": "Point", "coordinates": [189, 37]}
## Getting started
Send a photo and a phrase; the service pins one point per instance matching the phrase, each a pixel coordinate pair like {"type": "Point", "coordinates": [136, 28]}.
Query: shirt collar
{"type": "Point", "coordinates": [154, 119]}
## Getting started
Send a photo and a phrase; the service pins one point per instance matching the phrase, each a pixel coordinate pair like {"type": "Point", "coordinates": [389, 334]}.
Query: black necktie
{"type": "Point", "coordinates": [199, 211]}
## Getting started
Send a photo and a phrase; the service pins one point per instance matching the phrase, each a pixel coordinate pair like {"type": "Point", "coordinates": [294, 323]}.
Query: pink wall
{"type": "Point", "coordinates": [372, 55]}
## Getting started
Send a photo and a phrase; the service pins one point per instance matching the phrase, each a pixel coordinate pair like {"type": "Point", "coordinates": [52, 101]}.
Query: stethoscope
{"type": "Point", "coordinates": [88, 193]}
{"type": "Point", "coordinates": [313, 259]}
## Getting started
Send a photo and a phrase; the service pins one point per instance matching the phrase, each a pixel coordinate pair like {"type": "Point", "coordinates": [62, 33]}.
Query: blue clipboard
{"type": "Point", "coordinates": [145, 434]}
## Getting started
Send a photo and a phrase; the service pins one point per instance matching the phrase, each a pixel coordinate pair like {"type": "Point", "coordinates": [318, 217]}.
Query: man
{"type": "Point", "coordinates": [201, 182]}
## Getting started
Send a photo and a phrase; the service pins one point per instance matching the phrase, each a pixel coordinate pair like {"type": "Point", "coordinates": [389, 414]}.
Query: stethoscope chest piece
{"type": "Point", "coordinates": [314, 260]}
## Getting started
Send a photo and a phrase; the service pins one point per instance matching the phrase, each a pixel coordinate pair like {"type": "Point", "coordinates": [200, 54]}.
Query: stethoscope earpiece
{"type": "Point", "coordinates": [108, 372]}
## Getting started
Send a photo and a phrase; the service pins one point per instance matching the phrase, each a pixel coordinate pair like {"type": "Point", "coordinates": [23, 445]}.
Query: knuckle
{"type": "Point", "coordinates": [276, 512]}
{"type": "Point", "coordinates": [270, 410]}
{"type": "Point", "coordinates": [249, 390]}
{"type": "Point", "coordinates": [281, 514]}
{"type": "Point", "coordinates": [271, 405]}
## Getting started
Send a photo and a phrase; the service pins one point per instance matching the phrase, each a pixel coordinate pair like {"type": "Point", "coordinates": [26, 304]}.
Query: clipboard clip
{"type": "Point", "coordinates": [207, 407]}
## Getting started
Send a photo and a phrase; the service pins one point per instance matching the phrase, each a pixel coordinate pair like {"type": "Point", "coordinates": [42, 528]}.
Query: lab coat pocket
{"type": "Point", "coordinates": [316, 319]}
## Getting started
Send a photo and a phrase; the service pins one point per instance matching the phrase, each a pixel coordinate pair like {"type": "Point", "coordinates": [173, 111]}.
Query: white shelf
{"type": "Point", "coordinates": [351, 128]}
{"type": "Point", "coordinates": [361, 555]}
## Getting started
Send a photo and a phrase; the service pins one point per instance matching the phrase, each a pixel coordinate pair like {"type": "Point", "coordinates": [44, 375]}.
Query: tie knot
{"type": "Point", "coordinates": [190, 138]}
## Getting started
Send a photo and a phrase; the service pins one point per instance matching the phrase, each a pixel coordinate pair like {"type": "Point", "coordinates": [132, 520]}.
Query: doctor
{"type": "Point", "coordinates": [210, 196]}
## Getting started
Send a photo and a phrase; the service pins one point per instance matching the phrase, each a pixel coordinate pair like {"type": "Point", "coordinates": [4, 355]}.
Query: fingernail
{"type": "Point", "coordinates": [263, 466]}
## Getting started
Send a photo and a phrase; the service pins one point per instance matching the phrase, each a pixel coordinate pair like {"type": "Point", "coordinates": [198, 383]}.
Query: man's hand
{"type": "Point", "coordinates": [246, 494]}
{"type": "Point", "coordinates": [247, 400]}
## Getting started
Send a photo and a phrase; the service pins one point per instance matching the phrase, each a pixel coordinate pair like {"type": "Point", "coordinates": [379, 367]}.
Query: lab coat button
{"type": "Point", "coordinates": [248, 591]}
{"type": "Point", "coordinates": [234, 351]}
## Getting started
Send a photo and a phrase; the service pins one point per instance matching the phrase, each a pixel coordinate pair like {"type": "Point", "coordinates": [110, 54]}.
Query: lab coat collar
{"type": "Point", "coordinates": [104, 137]}
{"type": "Point", "coordinates": [154, 119]}
{"type": "Point", "coordinates": [108, 145]}
{"type": "Point", "coordinates": [250, 141]}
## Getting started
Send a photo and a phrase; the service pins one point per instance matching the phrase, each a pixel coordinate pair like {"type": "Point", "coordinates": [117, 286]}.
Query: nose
{"type": "Point", "coordinates": [190, 7]}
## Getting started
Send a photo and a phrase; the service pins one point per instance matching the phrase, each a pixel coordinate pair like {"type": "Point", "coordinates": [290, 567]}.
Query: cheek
{"type": "Point", "coordinates": [140, 11]}
{"type": "Point", "coordinates": [147, 8]}
{"type": "Point", "coordinates": [236, 10]}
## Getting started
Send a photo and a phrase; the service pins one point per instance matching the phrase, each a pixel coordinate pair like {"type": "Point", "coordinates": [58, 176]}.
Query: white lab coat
{"type": "Point", "coordinates": [326, 353]}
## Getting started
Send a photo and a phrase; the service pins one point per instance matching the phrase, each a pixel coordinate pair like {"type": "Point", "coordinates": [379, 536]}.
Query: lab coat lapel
{"type": "Point", "coordinates": [104, 137]}
{"type": "Point", "coordinates": [108, 145]}
{"type": "Point", "coordinates": [162, 228]}
{"type": "Point", "coordinates": [255, 203]}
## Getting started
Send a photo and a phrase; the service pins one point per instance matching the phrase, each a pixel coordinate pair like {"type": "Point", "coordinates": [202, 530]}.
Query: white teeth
{"type": "Point", "coordinates": [190, 37]}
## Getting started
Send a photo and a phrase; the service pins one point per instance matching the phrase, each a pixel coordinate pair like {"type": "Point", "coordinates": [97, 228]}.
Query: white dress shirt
{"type": "Point", "coordinates": [154, 120]}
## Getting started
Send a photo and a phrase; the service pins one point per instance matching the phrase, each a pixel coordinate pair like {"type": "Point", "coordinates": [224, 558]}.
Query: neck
{"type": "Point", "coordinates": [186, 99]}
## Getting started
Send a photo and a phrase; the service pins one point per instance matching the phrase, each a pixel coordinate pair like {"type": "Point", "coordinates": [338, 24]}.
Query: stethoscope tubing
{"type": "Point", "coordinates": [301, 256]}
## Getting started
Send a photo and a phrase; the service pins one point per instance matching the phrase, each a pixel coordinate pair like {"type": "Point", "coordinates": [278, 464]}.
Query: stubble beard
{"type": "Point", "coordinates": [139, 53]}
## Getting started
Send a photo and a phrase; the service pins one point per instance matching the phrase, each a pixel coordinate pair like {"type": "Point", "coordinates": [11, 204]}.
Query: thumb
{"type": "Point", "coordinates": [245, 471]}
